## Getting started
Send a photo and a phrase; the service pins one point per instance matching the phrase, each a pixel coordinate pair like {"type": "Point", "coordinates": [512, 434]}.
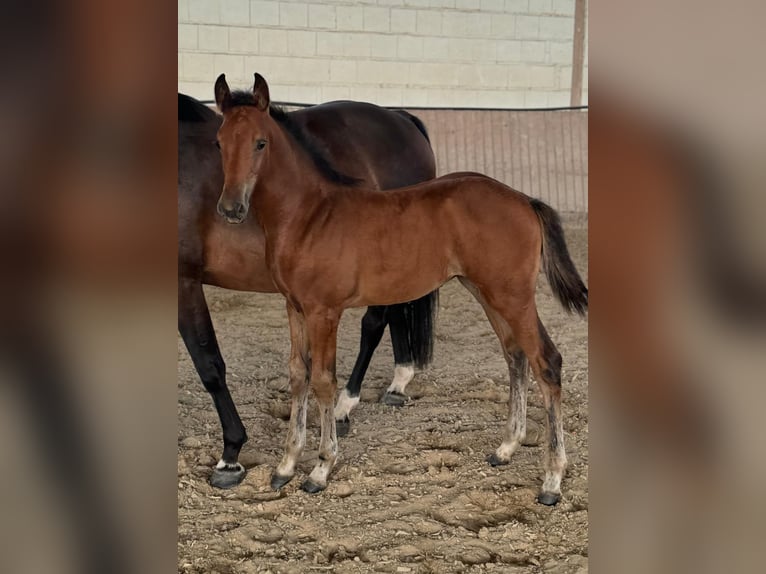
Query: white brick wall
{"type": "Point", "coordinates": [471, 53]}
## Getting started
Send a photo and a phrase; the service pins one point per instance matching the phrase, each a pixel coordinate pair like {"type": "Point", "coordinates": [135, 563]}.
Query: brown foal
{"type": "Point", "coordinates": [330, 247]}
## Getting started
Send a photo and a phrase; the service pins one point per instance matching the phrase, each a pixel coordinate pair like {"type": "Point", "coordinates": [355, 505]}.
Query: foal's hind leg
{"type": "Point", "coordinates": [299, 389]}
{"type": "Point", "coordinates": [545, 361]}
{"type": "Point", "coordinates": [518, 368]}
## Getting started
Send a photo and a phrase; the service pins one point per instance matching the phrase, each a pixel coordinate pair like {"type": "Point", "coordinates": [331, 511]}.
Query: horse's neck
{"type": "Point", "coordinates": [291, 189]}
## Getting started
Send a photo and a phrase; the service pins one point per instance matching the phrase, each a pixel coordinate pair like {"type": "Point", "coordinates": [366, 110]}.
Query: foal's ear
{"type": "Point", "coordinates": [261, 93]}
{"type": "Point", "coordinates": [222, 93]}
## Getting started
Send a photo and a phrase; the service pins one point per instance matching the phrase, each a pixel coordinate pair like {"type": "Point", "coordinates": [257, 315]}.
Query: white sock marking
{"type": "Point", "coordinates": [403, 374]}
{"type": "Point", "coordinates": [345, 405]}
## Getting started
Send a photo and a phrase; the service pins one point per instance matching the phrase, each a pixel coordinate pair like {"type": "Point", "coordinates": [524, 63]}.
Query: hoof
{"type": "Point", "coordinates": [394, 399]}
{"type": "Point", "coordinates": [228, 476]}
{"type": "Point", "coordinates": [342, 426]}
{"type": "Point", "coordinates": [548, 498]}
{"type": "Point", "coordinates": [311, 487]}
{"type": "Point", "coordinates": [495, 460]}
{"type": "Point", "coordinates": [278, 481]}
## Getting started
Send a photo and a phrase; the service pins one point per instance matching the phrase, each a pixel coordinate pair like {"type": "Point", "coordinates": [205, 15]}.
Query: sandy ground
{"type": "Point", "coordinates": [411, 491]}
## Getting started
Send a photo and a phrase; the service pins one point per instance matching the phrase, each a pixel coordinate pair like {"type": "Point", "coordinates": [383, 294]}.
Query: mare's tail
{"type": "Point", "coordinates": [562, 275]}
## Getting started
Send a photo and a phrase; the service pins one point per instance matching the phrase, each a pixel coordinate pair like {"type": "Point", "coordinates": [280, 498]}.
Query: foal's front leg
{"type": "Point", "coordinates": [299, 386]}
{"type": "Point", "coordinates": [323, 329]}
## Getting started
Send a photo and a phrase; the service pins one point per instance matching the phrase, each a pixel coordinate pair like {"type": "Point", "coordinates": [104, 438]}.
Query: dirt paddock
{"type": "Point", "coordinates": [411, 491]}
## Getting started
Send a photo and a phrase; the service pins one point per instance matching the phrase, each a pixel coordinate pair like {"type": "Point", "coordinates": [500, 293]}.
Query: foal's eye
{"type": "Point", "coordinates": [217, 144]}
{"type": "Point", "coordinates": [260, 144]}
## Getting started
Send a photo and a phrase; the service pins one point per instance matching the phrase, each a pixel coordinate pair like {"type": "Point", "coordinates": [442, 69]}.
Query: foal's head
{"type": "Point", "coordinates": [243, 139]}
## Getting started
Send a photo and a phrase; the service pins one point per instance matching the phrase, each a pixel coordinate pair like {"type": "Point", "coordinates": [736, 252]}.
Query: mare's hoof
{"type": "Point", "coordinates": [311, 487]}
{"type": "Point", "coordinates": [228, 477]}
{"type": "Point", "coordinates": [548, 498]}
{"type": "Point", "coordinates": [495, 460]}
{"type": "Point", "coordinates": [342, 426]}
{"type": "Point", "coordinates": [278, 481]}
{"type": "Point", "coordinates": [394, 399]}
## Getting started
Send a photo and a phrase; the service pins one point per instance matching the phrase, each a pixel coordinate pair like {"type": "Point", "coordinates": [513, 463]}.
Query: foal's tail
{"type": "Point", "coordinates": [562, 275]}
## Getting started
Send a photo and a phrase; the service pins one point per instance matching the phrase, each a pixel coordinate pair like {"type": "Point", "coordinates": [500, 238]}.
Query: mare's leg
{"type": "Point", "coordinates": [404, 369]}
{"type": "Point", "coordinates": [323, 329]}
{"type": "Point", "coordinates": [518, 369]}
{"type": "Point", "coordinates": [196, 329]}
{"type": "Point", "coordinates": [373, 326]}
{"type": "Point", "coordinates": [299, 366]}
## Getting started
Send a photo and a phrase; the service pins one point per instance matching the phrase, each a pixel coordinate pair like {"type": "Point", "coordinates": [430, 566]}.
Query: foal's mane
{"type": "Point", "coordinates": [309, 143]}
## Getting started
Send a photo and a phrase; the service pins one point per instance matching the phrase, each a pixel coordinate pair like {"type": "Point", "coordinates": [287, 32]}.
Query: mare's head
{"type": "Point", "coordinates": [244, 140]}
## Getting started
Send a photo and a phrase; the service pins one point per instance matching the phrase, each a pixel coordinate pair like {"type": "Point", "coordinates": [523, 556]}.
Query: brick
{"type": "Point", "coordinates": [564, 7]}
{"type": "Point", "coordinates": [330, 43]}
{"type": "Point", "coordinates": [376, 19]}
{"type": "Point", "coordinates": [383, 46]}
{"type": "Point", "coordinates": [349, 18]}
{"type": "Point", "coordinates": [440, 3]}
{"type": "Point", "coordinates": [412, 97]}
{"type": "Point", "coordinates": [433, 74]}
{"type": "Point", "coordinates": [231, 65]}
{"type": "Point", "coordinates": [321, 16]}
{"type": "Point", "coordinates": [428, 22]}
{"type": "Point", "coordinates": [304, 94]}
{"type": "Point", "coordinates": [301, 43]}
{"type": "Point", "coordinates": [362, 93]}
{"type": "Point", "coordinates": [235, 12]}
{"type": "Point", "coordinates": [187, 37]}
{"type": "Point", "coordinates": [492, 75]}
{"type": "Point", "coordinates": [542, 76]}
{"type": "Point", "coordinates": [293, 15]}
{"type": "Point", "coordinates": [517, 6]}
{"type": "Point", "coordinates": [343, 71]}
{"type": "Point", "coordinates": [272, 41]}
{"type": "Point", "coordinates": [493, 5]}
{"type": "Point", "coordinates": [419, 3]}
{"type": "Point", "coordinates": [383, 73]}
{"type": "Point", "coordinates": [333, 93]}
{"type": "Point", "coordinates": [409, 48]}
{"type": "Point", "coordinates": [183, 10]}
{"type": "Point", "coordinates": [403, 21]}
{"type": "Point", "coordinates": [556, 28]}
{"type": "Point", "coordinates": [204, 12]}
{"type": "Point", "coordinates": [536, 99]}
{"type": "Point", "coordinates": [532, 51]}
{"type": "Point", "coordinates": [540, 6]}
{"type": "Point", "coordinates": [244, 40]}
{"type": "Point", "coordinates": [503, 26]}
{"type": "Point", "coordinates": [264, 13]}
{"type": "Point", "coordinates": [560, 52]}
{"type": "Point", "coordinates": [467, 4]}
{"type": "Point", "coordinates": [388, 96]}
{"type": "Point", "coordinates": [213, 38]}
{"type": "Point", "coordinates": [462, 25]}
{"type": "Point", "coordinates": [527, 27]}
{"type": "Point", "coordinates": [356, 44]}
{"type": "Point", "coordinates": [509, 51]}
{"type": "Point", "coordinates": [436, 48]}
{"type": "Point", "coordinates": [197, 66]}
{"type": "Point", "coordinates": [564, 77]}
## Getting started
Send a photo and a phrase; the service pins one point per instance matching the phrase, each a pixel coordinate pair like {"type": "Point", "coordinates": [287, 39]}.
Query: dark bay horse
{"type": "Point", "coordinates": [331, 246]}
{"type": "Point", "coordinates": [363, 141]}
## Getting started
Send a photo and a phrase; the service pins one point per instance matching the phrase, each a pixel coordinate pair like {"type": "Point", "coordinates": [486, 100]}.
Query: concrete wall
{"type": "Point", "coordinates": [468, 53]}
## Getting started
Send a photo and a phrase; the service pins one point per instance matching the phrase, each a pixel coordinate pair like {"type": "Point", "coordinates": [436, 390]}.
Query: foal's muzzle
{"type": "Point", "coordinates": [232, 211]}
